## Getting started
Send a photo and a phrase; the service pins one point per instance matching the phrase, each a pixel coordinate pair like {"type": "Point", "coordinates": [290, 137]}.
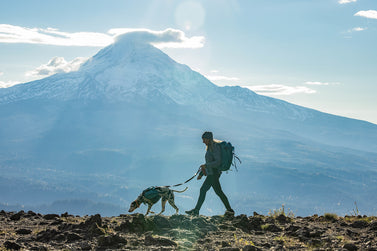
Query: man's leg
{"type": "Point", "coordinates": [203, 191]}
{"type": "Point", "coordinates": [218, 190]}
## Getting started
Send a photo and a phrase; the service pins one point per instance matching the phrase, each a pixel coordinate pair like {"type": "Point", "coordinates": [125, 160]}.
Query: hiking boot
{"type": "Point", "coordinates": [192, 212]}
{"type": "Point", "coordinates": [229, 212]}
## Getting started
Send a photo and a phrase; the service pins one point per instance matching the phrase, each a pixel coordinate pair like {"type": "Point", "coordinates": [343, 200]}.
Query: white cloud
{"type": "Point", "coordinates": [367, 13]}
{"type": "Point", "coordinates": [280, 90]}
{"type": "Point", "coordinates": [358, 29]}
{"type": "Point", "coordinates": [321, 83]}
{"type": "Point", "coordinates": [216, 76]}
{"type": "Point", "coordinates": [8, 84]}
{"type": "Point", "coordinates": [221, 78]}
{"type": "Point", "coordinates": [1, 73]}
{"type": "Point", "coordinates": [57, 65]}
{"type": "Point", "coordinates": [346, 1]}
{"type": "Point", "coordinates": [315, 83]}
{"type": "Point", "coordinates": [51, 36]}
{"type": "Point", "coordinates": [169, 38]}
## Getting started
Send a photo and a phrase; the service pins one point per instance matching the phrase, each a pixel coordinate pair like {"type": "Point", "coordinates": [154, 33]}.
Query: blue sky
{"type": "Point", "coordinates": [319, 54]}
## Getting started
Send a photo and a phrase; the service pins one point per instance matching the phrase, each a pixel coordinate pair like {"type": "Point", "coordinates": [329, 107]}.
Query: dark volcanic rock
{"type": "Point", "coordinates": [292, 230]}
{"type": "Point", "coordinates": [31, 231]}
{"type": "Point", "coordinates": [360, 224]}
{"type": "Point", "coordinates": [71, 237]}
{"type": "Point", "coordinates": [125, 226]}
{"type": "Point", "coordinates": [85, 246]}
{"type": "Point", "coordinates": [255, 223]}
{"type": "Point", "coordinates": [17, 216]}
{"type": "Point", "coordinates": [39, 248]}
{"type": "Point", "coordinates": [30, 214]}
{"type": "Point", "coordinates": [93, 225]}
{"type": "Point", "coordinates": [161, 222]}
{"type": "Point", "coordinates": [23, 231]}
{"type": "Point", "coordinates": [47, 235]}
{"type": "Point", "coordinates": [137, 223]}
{"type": "Point", "coordinates": [111, 241]}
{"type": "Point", "coordinates": [230, 249]}
{"type": "Point", "coordinates": [373, 226]}
{"type": "Point", "coordinates": [272, 228]}
{"type": "Point", "coordinates": [282, 219]}
{"type": "Point", "coordinates": [350, 247]}
{"type": "Point", "coordinates": [50, 216]}
{"type": "Point", "coordinates": [11, 245]}
{"type": "Point", "coordinates": [94, 220]}
{"type": "Point", "coordinates": [160, 241]}
{"type": "Point", "coordinates": [242, 222]}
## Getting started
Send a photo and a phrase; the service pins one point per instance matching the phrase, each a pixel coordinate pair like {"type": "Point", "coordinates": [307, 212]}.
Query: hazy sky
{"type": "Point", "coordinates": [320, 54]}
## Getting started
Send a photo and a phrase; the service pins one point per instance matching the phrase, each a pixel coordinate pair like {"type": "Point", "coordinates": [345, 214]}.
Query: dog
{"type": "Point", "coordinates": [155, 193]}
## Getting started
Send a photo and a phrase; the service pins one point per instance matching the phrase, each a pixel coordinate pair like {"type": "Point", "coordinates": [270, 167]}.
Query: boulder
{"type": "Point", "coordinates": [360, 224]}
{"type": "Point", "coordinates": [17, 216]}
{"type": "Point", "coordinates": [112, 240]}
{"type": "Point", "coordinates": [350, 247]}
{"type": "Point", "coordinates": [158, 241]}
{"type": "Point", "coordinates": [50, 216]}
{"type": "Point", "coordinates": [23, 231]}
{"type": "Point", "coordinates": [11, 245]}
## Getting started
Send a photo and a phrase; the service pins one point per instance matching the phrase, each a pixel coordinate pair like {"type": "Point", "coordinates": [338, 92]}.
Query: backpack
{"type": "Point", "coordinates": [227, 156]}
{"type": "Point", "coordinates": [151, 194]}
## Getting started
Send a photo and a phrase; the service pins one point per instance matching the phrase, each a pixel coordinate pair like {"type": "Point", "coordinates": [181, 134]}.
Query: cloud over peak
{"type": "Point", "coordinates": [171, 38]}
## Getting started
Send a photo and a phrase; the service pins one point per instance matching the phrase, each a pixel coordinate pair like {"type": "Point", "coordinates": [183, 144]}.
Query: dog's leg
{"type": "Point", "coordinates": [149, 210]}
{"type": "Point", "coordinates": [163, 203]}
{"type": "Point", "coordinates": [171, 202]}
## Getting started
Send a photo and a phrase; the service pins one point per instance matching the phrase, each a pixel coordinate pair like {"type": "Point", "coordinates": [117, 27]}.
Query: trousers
{"type": "Point", "coordinates": [214, 182]}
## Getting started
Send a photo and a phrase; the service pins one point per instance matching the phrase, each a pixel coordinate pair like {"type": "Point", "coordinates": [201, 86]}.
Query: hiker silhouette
{"type": "Point", "coordinates": [210, 169]}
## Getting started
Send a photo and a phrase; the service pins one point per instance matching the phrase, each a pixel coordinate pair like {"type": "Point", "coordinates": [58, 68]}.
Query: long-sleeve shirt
{"type": "Point", "coordinates": [213, 160]}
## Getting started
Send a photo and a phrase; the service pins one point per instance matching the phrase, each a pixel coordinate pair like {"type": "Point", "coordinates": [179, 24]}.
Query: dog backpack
{"type": "Point", "coordinates": [151, 194]}
{"type": "Point", "coordinates": [227, 156]}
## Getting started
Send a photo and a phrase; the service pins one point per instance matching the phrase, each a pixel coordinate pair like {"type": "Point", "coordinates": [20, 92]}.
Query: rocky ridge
{"type": "Point", "coordinates": [33, 231]}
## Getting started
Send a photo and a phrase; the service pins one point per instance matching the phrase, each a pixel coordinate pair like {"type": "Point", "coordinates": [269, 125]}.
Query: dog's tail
{"type": "Point", "coordinates": [180, 191]}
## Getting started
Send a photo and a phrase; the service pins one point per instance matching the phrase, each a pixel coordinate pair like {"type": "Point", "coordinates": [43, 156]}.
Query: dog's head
{"type": "Point", "coordinates": [135, 204]}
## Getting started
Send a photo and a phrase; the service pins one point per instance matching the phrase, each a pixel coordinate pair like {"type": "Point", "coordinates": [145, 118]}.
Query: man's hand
{"type": "Point", "coordinates": [203, 167]}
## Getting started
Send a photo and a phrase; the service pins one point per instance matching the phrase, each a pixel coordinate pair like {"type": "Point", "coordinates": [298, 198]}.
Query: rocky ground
{"type": "Point", "coordinates": [32, 231]}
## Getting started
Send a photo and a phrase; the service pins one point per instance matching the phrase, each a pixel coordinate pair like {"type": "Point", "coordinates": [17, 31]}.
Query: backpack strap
{"type": "Point", "coordinates": [234, 163]}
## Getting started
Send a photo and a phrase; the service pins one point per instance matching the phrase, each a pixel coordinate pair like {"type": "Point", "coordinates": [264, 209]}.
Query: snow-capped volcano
{"type": "Point", "coordinates": [132, 70]}
{"type": "Point", "coordinates": [126, 69]}
{"type": "Point", "coordinates": [131, 116]}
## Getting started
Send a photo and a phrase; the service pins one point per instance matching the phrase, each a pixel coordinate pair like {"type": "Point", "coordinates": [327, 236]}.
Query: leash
{"type": "Point", "coordinates": [180, 184]}
{"type": "Point", "coordinates": [233, 164]}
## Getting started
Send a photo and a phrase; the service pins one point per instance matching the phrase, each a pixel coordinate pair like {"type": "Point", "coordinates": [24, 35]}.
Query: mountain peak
{"type": "Point", "coordinates": [134, 38]}
{"type": "Point", "coordinates": [127, 49]}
